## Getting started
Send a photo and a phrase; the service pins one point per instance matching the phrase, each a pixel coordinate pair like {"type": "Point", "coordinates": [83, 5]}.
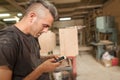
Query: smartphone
{"type": "Point", "coordinates": [60, 58]}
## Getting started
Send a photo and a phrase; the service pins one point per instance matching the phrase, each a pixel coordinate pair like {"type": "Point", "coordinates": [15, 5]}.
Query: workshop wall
{"type": "Point", "coordinates": [112, 8]}
{"type": "Point", "coordinates": [62, 24]}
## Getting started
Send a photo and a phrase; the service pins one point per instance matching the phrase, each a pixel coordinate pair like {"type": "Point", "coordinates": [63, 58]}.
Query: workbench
{"type": "Point", "coordinates": [100, 47]}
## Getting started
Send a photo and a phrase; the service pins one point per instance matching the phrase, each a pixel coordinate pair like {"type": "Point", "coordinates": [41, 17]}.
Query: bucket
{"type": "Point", "coordinates": [57, 75]}
{"type": "Point", "coordinates": [115, 61]}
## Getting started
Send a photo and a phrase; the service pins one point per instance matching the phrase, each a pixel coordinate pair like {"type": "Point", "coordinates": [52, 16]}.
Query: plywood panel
{"type": "Point", "coordinates": [47, 42]}
{"type": "Point", "coordinates": [68, 42]}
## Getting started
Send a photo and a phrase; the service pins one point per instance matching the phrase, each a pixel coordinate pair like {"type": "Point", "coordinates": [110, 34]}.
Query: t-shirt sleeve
{"type": "Point", "coordinates": [8, 52]}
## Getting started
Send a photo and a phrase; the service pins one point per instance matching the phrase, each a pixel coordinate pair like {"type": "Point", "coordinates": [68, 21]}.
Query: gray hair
{"type": "Point", "coordinates": [46, 4]}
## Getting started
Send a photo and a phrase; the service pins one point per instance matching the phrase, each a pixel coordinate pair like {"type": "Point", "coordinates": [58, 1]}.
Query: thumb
{"type": "Point", "coordinates": [51, 60]}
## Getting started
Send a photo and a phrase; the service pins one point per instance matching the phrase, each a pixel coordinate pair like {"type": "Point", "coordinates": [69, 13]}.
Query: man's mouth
{"type": "Point", "coordinates": [39, 34]}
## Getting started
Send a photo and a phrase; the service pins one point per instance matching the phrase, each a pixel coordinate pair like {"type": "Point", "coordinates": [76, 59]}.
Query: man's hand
{"type": "Point", "coordinates": [44, 58]}
{"type": "Point", "coordinates": [49, 65]}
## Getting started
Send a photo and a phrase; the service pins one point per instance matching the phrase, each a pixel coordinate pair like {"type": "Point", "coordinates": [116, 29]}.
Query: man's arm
{"type": "Point", "coordinates": [47, 66]}
{"type": "Point", "coordinates": [5, 73]}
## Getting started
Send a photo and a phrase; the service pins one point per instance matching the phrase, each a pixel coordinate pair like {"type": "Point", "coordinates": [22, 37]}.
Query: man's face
{"type": "Point", "coordinates": [41, 25]}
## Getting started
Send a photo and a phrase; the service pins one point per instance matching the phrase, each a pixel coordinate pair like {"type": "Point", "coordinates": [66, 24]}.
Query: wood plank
{"type": "Point", "coordinates": [68, 42]}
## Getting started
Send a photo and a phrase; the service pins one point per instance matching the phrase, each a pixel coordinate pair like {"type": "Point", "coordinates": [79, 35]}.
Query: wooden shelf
{"type": "Point", "coordinates": [90, 23]}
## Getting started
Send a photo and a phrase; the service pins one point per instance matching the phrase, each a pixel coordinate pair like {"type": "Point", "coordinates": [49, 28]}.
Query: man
{"type": "Point", "coordinates": [19, 49]}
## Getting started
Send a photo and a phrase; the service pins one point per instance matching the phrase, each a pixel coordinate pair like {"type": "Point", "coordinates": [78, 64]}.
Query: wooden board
{"type": "Point", "coordinates": [47, 42]}
{"type": "Point", "coordinates": [68, 41]}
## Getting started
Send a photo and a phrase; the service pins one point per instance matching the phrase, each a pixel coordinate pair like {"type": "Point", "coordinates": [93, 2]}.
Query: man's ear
{"type": "Point", "coordinates": [32, 17]}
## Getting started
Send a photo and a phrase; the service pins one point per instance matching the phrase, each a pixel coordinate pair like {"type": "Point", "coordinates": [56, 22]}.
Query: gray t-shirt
{"type": "Point", "coordinates": [20, 52]}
